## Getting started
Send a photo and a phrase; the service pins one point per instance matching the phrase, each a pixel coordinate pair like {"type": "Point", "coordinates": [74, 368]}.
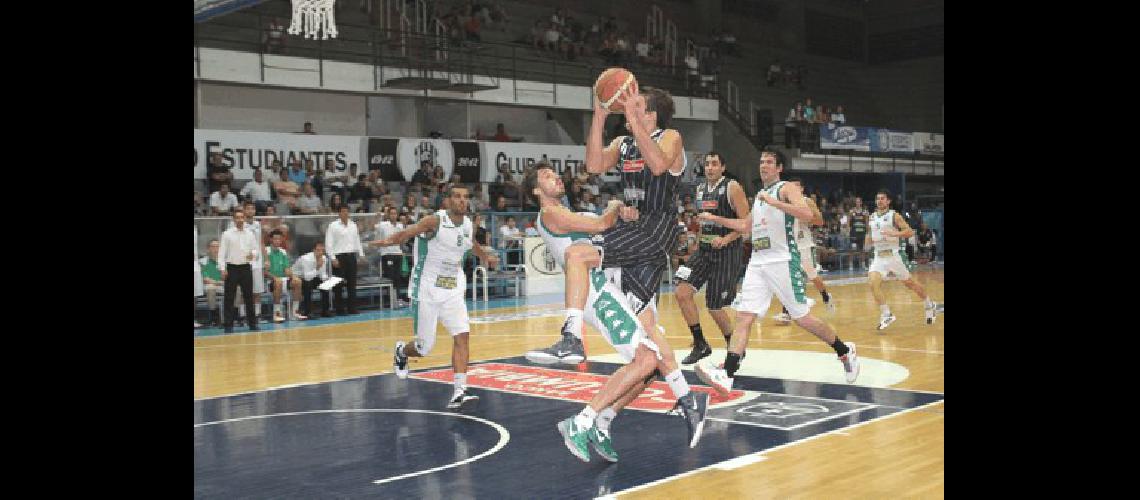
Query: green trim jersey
{"type": "Point", "coordinates": [773, 239]}
{"type": "Point", "coordinates": [803, 235]}
{"type": "Point", "coordinates": [879, 222]}
{"type": "Point", "coordinates": [210, 269]}
{"type": "Point", "coordinates": [438, 272]}
{"type": "Point", "coordinates": [278, 261]}
{"type": "Point", "coordinates": [557, 243]}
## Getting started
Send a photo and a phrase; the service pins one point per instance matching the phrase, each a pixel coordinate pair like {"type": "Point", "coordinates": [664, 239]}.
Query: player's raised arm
{"type": "Point", "coordinates": [427, 224]}
{"type": "Point", "coordinates": [599, 159]}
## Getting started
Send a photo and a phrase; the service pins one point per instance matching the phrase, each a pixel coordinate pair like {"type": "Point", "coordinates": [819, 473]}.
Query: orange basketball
{"type": "Point", "coordinates": [610, 83]}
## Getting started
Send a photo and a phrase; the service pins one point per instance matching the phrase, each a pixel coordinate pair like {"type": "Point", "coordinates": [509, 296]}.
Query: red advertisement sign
{"type": "Point", "coordinates": [559, 384]}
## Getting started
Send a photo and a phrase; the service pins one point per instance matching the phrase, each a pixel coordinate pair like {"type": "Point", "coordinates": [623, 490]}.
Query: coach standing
{"type": "Point", "coordinates": [237, 250]}
{"type": "Point", "coordinates": [342, 240]}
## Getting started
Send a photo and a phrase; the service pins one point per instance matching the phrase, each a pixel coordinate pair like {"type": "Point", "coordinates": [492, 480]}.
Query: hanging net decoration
{"type": "Point", "coordinates": [313, 18]}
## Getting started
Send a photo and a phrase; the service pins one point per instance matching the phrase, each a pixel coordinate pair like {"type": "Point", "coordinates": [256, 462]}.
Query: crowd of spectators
{"type": "Point", "coordinates": [800, 126]}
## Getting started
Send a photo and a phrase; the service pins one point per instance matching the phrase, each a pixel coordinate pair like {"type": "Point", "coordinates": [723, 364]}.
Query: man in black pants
{"type": "Point", "coordinates": [237, 250]}
{"type": "Point", "coordinates": [312, 269]}
{"type": "Point", "coordinates": [342, 239]}
{"type": "Point", "coordinates": [391, 256]}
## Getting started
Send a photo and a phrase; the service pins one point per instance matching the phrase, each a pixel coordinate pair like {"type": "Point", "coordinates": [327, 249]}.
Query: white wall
{"type": "Point", "coordinates": [395, 116]}
{"type": "Point", "coordinates": [233, 107]}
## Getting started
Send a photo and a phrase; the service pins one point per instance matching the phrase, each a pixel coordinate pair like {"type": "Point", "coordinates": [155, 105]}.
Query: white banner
{"type": "Point", "coordinates": [543, 275]}
{"type": "Point", "coordinates": [243, 151]}
{"type": "Point", "coordinates": [518, 156]}
{"type": "Point", "coordinates": [900, 141]}
{"type": "Point", "coordinates": [411, 151]}
{"type": "Point", "coordinates": [930, 143]}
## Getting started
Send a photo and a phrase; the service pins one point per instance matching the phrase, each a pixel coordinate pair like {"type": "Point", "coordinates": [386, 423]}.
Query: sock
{"type": "Point", "coordinates": [731, 363]}
{"type": "Point", "coordinates": [885, 310]}
{"type": "Point", "coordinates": [574, 322]}
{"type": "Point", "coordinates": [826, 297]}
{"type": "Point", "coordinates": [460, 381]}
{"type": "Point", "coordinates": [257, 309]}
{"type": "Point", "coordinates": [604, 418]}
{"type": "Point", "coordinates": [585, 418]}
{"type": "Point", "coordinates": [840, 348]}
{"type": "Point", "coordinates": [677, 383]}
{"type": "Point", "coordinates": [698, 335]}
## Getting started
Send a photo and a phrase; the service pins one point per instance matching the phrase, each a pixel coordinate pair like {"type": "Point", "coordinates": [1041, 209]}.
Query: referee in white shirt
{"type": "Point", "coordinates": [238, 248]}
{"type": "Point", "coordinates": [342, 240]}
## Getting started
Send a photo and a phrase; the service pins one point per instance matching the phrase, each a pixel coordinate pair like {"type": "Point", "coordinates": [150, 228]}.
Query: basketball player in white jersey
{"type": "Point", "coordinates": [807, 258]}
{"type": "Point", "coordinates": [888, 233]}
{"type": "Point", "coordinates": [438, 284]}
{"type": "Point", "coordinates": [774, 269]}
{"type": "Point", "coordinates": [608, 310]}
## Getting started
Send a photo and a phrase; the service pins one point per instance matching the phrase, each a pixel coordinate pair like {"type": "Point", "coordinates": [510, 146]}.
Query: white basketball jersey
{"type": "Point", "coordinates": [879, 222]}
{"type": "Point", "coordinates": [439, 258]}
{"type": "Point", "coordinates": [773, 237]}
{"type": "Point", "coordinates": [557, 243]}
{"type": "Point", "coordinates": [803, 235]}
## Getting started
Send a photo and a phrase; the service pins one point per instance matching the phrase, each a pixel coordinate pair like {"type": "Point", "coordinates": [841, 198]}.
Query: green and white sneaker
{"type": "Point", "coordinates": [603, 444]}
{"type": "Point", "coordinates": [575, 438]}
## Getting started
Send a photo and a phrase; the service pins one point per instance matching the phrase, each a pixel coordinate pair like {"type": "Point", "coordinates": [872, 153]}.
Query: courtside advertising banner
{"type": "Point", "coordinates": [930, 143]}
{"type": "Point", "coordinates": [382, 157]}
{"type": "Point", "coordinates": [543, 275]}
{"type": "Point", "coordinates": [516, 157]}
{"type": "Point", "coordinates": [854, 138]}
{"type": "Point", "coordinates": [244, 151]}
{"type": "Point", "coordinates": [412, 151]}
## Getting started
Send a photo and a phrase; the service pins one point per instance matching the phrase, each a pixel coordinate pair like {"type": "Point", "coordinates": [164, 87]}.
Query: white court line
{"type": "Point", "coordinates": [797, 426]}
{"type": "Point", "coordinates": [763, 453]}
{"type": "Point", "coordinates": [504, 435]}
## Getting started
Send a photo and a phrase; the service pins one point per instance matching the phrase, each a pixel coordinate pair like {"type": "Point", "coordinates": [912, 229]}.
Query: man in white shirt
{"type": "Point", "coordinates": [837, 117]}
{"type": "Point", "coordinates": [392, 256]}
{"type": "Point", "coordinates": [237, 251]}
{"type": "Point", "coordinates": [342, 240]}
{"type": "Point", "coordinates": [511, 239]}
{"type": "Point", "coordinates": [312, 269]}
{"type": "Point", "coordinates": [222, 201]}
{"type": "Point", "coordinates": [309, 203]}
{"type": "Point", "coordinates": [257, 191]}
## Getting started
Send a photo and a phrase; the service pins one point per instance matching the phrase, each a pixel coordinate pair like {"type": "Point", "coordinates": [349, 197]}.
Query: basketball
{"type": "Point", "coordinates": [610, 83]}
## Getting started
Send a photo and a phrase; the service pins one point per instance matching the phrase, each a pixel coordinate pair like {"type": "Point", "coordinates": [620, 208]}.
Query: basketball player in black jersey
{"type": "Point", "coordinates": [717, 261]}
{"type": "Point", "coordinates": [651, 160]}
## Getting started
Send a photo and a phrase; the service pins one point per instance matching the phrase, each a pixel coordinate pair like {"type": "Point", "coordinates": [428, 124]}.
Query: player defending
{"type": "Point", "coordinates": [609, 311]}
{"type": "Point", "coordinates": [717, 261]}
{"type": "Point", "coordinates": [438, 285]}
{"type": "Point", "coordinates": [888, 232]}
{"type": "Point", "coordinates": [773, 270]}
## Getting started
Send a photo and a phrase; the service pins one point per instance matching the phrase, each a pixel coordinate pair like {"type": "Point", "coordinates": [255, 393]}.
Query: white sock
{"type": "Point", "coordinates": [276, 309]}
{"type": "Point", "coordinates": [460, 381]}
{"type": "Point", "coordinates": [885, 310]}
{"type": "Point", "coordinates": [257, 308]}
{"type": "Point", "coordinates": [677, 383]}
{"type": "Point", "coordinates": [574, 320]}
{"type": "Point", "coordinates": [605, 417]}
{"type": "Point", "coordinates": [585, 418]}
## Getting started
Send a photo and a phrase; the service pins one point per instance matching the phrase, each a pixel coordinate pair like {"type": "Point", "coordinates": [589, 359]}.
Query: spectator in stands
{"type": "Point", "coordinates": [510, 238]}
{"type": "Point", "coordinates": [308, 129]}
{"type": "Point", "coordinates": [822, 114]}
{"type": "Point", "coordinates": [212, 280]}
{"type": "Point", "coordinates": [623, 48]}
{"type": "Point", "coordinates": [336, 181]}
{"type": "Point", "coordinates": [222, 201]}
{"type": "Point", "coordinates": [838, 118]}
{"type": "Point", "coordinates": [409, 207]}
{"type": "Point", "coordinates": [693, 71]}
{"type": "Point", "coordinates": [508, 187]}
{"type": "Point", "coordinates": [608, 49]}
{"type": "Point", "coordinates": [312, 269]}
{"type": "Point", "coordinates": [792, 126]}
{"type": "Point", "coordinates": [297, 174]}
{"type": "Point", "coordinates": [859, 220]}
{"type": "Point", "coordinates": [558, 17]}
{"type": "Point", "coordinates": [437, 176]}
{"type": "Point", "coordinates": [501, 203]}
{"type": "Point", "coordinates": [927, 242]}
{"type": "Point", "coordinates": [423, 176]}
{"type": "Point", "coordinates": [377, 185]}
{"type": "Point", "coordinates": [775, 74]}
{"type": "Point", "coordinates": [335, 202]}
{"type": "Point", "coordinates": [809, 111]}
{"type": "Point", "coordinates": [642, 50]}
{"type": "Point", "coordinates": [471, 27]}
{"type": "Point", "coordinates": [480, 223]}
{"type": "Point", "coordinates": [257, 191]}
{"type": "Point", "coordinates": [361, 193]}
{"type": "Point", "coordinates": [310, 203]}
{"type": "Point", "coordinates": [342, 239]}
{"type": "Point", "coordinates": [200, 208]}
{"type": "Point", "coordinates": [499, 16]}
{"type": "Point", "coordinates": [274, 38]}
{"type": "Point", "coordinates": [552, 37]}
{"type": "Point", "coordinates": [538, 34]}
{"type": "Point", "coordinates": [427, 206]}
{"type": "Point", "coordinates": [392, 256]}
{"type": "Point", "coordinates": [217, 173]}
{"type": "Point", "coordinates": [501, 133]}
{"type": "Point", "coordinates": [287, 193]}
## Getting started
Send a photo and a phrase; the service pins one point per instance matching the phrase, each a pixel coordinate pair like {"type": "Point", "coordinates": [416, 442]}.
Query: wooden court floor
{"type": "Point", "coordinates": [901, 455]}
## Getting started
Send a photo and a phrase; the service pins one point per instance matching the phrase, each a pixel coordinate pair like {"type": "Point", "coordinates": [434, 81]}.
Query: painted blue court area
{"type": "Point", "coordinates": [382, 437]}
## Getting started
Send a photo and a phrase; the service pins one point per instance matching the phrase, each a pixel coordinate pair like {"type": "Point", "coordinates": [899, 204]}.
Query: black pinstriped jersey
{"type": "Point", "coordinates": [644, 191]}
{"type": "Point", "coordinates": [713, 200]}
